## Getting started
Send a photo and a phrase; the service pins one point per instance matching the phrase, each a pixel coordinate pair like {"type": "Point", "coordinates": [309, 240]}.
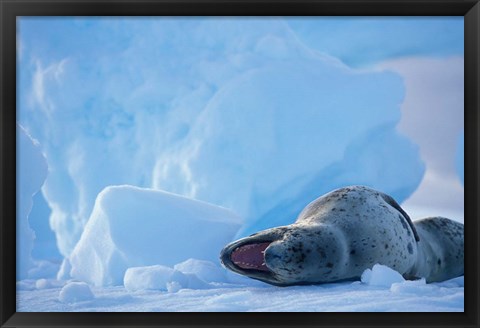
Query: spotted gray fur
{"type": "Point", "coordinates": [339, 235]}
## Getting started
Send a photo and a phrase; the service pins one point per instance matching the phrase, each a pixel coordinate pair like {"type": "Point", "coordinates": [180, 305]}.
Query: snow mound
{"type": "Point", "coordinates": [158, 277]}
{"type": "Point", "coordinates": [135, 227]}
{"type": "Point", "coordinates": [74, 292]}
{"type": "Point", "coordinates": [381, 276]}
{"type": "Point", "coordinates": [205, 270]}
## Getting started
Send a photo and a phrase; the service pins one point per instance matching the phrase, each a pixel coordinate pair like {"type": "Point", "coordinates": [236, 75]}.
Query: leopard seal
{"type": "Point", "coordinates": [342, 233]}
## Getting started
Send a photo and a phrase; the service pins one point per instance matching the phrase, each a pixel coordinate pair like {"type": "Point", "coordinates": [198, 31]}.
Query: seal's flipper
{"type": "Point", "coordinates": [441, 251]}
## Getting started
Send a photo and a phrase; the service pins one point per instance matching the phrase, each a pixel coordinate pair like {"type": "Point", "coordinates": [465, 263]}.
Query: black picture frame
{"type": "Point", "coordinates": [10, 10]}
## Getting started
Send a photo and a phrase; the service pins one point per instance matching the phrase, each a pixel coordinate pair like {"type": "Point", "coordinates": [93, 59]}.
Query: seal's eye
{"type": "Point", "coordinates": [250, 256]}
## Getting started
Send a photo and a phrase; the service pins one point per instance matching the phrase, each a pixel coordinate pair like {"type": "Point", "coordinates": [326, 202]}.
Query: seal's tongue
{"type": "Point", "coordinates": [250, 256]}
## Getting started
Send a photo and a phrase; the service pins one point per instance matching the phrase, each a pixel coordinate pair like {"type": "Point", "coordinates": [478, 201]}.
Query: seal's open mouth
{"type": "Point", "coordinates": [250, 256]}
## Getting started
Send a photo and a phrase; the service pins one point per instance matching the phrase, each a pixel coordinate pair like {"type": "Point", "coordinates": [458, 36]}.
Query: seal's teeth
{"type": "Point", "coordinates": [250, 256]}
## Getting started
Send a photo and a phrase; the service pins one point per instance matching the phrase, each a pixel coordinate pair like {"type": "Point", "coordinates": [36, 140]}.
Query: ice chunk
{"type": "Point", "coordinates": [205, 270]}
{"type": "Point", "coordinates": [381, 275]}
{"type": "Point", "coordinates": [31, 173]}
{"type": "Point", "coordinates": [132, 227]}
{"type": "Point", "coordinates": [75, 292]}
{"type": "Point", "coordinates": [152, 277]}
{"type": "Point", "coordinates": [158, 277]}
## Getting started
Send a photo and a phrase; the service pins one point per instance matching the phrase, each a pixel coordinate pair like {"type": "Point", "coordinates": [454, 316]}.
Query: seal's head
{"type": "Point", "coordinates": [289, 255]}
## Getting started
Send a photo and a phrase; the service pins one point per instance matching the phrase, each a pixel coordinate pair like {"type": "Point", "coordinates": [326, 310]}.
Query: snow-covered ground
{"type": "Point", "coordinates": [383, 293]}
{"type": "Point", "coordinates": [146, 145]}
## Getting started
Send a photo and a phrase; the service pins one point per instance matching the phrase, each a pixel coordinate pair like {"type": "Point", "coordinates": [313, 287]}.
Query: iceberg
{"type": "Point", "coordinates": [234, 112]}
